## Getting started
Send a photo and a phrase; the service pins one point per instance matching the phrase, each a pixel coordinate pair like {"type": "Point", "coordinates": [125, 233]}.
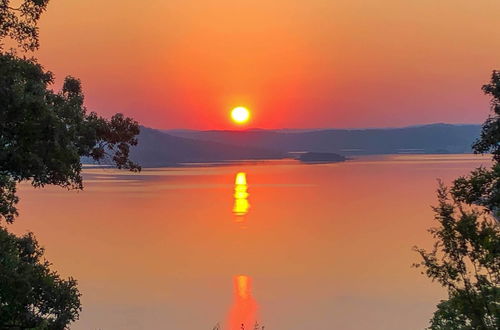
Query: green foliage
{"type": "Point", "coordinates": [20, 23]}
{"type": "Point", "coordinates": [465, 261]}
{"type": "Point", "coordinates": [44, 134]}
{"type": "Point", "coordinates": [481, 187]}
{"type": "Point", "coordinates": [8, 198]}
{"type": "Point", "coordinates": [465, 258]}
{"type": "Point", "coordinates": [31, 295]}
{"type": "Point", "coordinates": [490, 135]}
{"type": "Point", "coordinates": [453, 313]}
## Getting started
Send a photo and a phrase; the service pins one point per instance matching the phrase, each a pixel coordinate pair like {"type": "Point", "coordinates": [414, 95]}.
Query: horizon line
{"type": "Point", "coordinates": [312, 129]}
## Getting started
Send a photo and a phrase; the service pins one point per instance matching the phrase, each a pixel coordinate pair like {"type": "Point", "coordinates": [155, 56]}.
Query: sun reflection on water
{"type": "Point", "coordinates": [241, 204]}
{"type": "Point", "coordinates": [243, 314]}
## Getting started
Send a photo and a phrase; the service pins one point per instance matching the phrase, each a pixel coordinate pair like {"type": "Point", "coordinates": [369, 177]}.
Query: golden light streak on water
{"type": "Point", "coordinates": [241, 204]}
{"type": "Point", "coordinates": [243, 314]}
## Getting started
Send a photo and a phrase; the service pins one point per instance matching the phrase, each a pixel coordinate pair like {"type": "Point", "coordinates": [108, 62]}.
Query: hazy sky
{"type": "Point", "coordinates": [302, 64]}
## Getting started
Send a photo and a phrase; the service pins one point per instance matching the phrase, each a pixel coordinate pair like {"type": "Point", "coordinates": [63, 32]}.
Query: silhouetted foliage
{"type": "Point", "coordinates": [31, 295]}
{"type": "Point", "coordinates": [490, 135]}
{"type": "Point", "coordinates": [481, 187]}
{"type": "Point", "coordinates": [20, 22]}
{"type": "Point", "coordinates": [43, 134]}
{"type": "Point", "coordinates": [465, 258]}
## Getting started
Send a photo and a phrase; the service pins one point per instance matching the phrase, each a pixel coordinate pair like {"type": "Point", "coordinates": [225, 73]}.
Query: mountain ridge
{"type": "Point", "coordinates": [170, 148]}
{"type": "Point", "coordinates": [432, 138]}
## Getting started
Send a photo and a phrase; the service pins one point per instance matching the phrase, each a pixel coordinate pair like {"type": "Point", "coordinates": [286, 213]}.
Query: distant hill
{"type": "Point", "coordinates": [435, 138]}
{"type": "Point", "coordinates": [156, 148]}
{"type": "Point", "coordinates": [168, 148]}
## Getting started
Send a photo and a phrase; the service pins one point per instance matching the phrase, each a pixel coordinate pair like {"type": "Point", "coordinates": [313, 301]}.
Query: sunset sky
{"type": "Point", "coordinates": [293, 63]}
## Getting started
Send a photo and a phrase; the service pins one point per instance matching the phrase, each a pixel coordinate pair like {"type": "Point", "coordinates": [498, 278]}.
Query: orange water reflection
{"type": "Point", "coordinates": [335, 245]}
{"type": "Point", "coordinates": [241, 205]}
{"type": "Point", "coordinates": [243, 313]}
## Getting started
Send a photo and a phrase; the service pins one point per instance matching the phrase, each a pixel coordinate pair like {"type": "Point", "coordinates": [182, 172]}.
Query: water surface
{"type": "Point", "coordinates": [290, 245]}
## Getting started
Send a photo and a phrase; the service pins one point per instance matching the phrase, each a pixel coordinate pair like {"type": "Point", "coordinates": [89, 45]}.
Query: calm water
{"type": "Point", "coordinates": [293, 246]}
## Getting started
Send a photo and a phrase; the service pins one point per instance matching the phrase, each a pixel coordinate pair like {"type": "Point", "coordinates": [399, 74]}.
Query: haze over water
{"type": "Point", "coordinates": [289, 245]}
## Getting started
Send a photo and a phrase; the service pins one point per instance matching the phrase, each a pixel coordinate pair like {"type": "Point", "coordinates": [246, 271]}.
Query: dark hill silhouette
{"type": "Point", "coordinates": [435, 138]}
{"type": "Point", "coordinates": [166, 148]}
{"type": "Point", "coordinates": [156, 148]}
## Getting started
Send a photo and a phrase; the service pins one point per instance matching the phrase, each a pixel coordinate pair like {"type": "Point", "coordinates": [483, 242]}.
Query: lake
{"type": "Point", "coordinates": [293, 246]}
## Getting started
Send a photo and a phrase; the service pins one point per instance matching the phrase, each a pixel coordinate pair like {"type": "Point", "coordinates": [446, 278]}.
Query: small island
{"type": "Point", "coordinates": [321, 157]}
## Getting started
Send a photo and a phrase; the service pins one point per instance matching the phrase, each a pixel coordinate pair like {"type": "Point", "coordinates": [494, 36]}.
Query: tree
{"type": "Point", "coordinates": [20, 23]}
{"type": "Point", "coordinates": [31, 295]}
{"type": "Point", "coordinates": [482, 186]}
{"type": "Point", "coordinates": [465, 258]}
{"type": "Point", "coordinates": [43, 135]}
{"type": "Point", "coordinates": [490, 135]}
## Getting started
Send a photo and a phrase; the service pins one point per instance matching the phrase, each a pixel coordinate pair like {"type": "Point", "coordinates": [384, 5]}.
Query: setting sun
{"type": "Point", "coordinates": [240, 115]}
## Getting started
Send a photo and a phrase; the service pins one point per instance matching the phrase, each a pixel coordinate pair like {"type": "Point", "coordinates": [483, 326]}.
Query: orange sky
{"type": "Point", "coordinates": [294, 63]}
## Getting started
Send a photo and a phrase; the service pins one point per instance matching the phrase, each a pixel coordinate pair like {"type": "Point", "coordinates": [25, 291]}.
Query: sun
{"type": "Point", "coordinates": [240, 115]}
